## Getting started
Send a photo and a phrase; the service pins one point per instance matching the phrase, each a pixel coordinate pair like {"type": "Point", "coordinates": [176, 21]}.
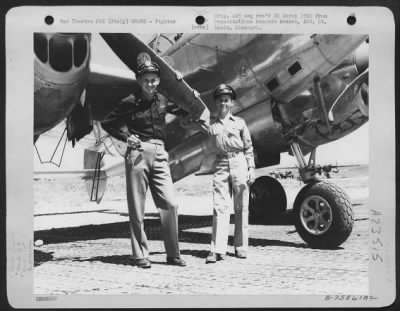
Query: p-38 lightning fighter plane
{"type": "Point", "coordinates": [295, 92]}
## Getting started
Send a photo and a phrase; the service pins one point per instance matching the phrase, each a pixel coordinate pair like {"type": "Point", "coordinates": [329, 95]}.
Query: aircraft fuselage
{"type": "Point", "coordinates": [273, 76]}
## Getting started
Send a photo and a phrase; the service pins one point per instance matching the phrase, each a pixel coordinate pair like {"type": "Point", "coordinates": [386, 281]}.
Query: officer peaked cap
{"type": "Point", "coordinates": [146, 68]}
{"type": "Point", "coordinates": [224, 89]}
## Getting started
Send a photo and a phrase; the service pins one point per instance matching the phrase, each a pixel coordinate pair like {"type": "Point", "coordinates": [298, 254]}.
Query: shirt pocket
{"type": "Point", "coordinates": [138, 115]}
{"type": "Point", "coordinates": [216, 130]}
{"type": "Point", "coordinates": [233, 131]}
{"type": "Point", "coordinates": [161, 109]}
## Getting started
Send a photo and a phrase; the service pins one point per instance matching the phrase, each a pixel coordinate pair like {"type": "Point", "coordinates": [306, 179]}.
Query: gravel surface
{"type": "Point", "coordinates": [86, 248]}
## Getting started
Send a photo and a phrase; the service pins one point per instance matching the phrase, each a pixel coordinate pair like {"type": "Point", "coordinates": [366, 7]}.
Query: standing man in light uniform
{"type": "Point", "coordinates": [233, 175]}
{"type": "Point", "coordinates": [139, 120]}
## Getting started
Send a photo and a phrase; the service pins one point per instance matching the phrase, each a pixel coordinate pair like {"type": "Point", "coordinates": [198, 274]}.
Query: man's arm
{"type": "Point", "coordinates": [115, 123]}
{"type": "Point", "coordinates": [247, 146]}
{"type": "Point", "coordinates": [248, 153]}
{"type": "Point", "coordinates": [189, 123]}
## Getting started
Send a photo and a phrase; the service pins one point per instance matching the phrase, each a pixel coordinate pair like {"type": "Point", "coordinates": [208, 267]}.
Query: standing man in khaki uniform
{"type": "Point", "coordinates": [139, 120]}
{"type": "Point", "coordinates": [233, 175]}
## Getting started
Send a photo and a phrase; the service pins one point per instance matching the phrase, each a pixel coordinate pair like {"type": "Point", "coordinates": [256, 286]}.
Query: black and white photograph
{"type": "Point", "coordinates": [287, 93]}
{"type": "Point", "coordinates": [222, 163]}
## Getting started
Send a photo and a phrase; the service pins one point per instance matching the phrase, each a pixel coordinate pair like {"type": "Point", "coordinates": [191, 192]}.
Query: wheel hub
{"type": "Point", "coordinates": [316, 215]}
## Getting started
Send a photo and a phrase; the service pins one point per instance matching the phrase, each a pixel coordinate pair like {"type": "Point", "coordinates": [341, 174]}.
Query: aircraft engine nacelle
{"type": "Point", "coordinates": [61, 66]}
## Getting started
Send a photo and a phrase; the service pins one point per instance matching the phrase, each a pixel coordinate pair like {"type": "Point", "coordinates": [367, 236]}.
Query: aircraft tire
{"type": "Point", "coordinates": [267, 199]}
{"type": "Point", "coordinates": [328, 225]}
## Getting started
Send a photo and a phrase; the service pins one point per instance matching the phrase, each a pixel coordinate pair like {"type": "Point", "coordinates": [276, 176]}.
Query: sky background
{"type": "Point", "coordinates": [352, 149]}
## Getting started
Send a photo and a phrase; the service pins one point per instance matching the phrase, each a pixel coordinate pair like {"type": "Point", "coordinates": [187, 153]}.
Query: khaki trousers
{"type": "Point", "coordinates": [230, 182]}
{"type": "Point", "coordinates": [149, 168]}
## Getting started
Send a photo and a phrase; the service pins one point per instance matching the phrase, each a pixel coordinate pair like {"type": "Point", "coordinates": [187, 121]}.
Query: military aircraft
{"type": "Point", "coordinates": [295, 92]}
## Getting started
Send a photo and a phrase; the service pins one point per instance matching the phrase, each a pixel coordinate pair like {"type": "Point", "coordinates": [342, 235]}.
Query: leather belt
{"type": "Point", "coordinates": [155, 141]}
{"type": "Point", "coordinates": [229, 154]}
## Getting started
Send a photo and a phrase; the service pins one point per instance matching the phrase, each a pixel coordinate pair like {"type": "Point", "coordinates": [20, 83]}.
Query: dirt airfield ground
{"type": "Point", "coordinates": [86, 247]}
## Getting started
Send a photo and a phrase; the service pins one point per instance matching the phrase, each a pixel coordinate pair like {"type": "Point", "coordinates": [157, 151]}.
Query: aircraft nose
{"type": "Point", "coordinates": [62, 51]}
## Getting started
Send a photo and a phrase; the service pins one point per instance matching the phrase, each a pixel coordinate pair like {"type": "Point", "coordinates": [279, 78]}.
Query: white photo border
{"type": "Point", "coordinates": [22, 22]}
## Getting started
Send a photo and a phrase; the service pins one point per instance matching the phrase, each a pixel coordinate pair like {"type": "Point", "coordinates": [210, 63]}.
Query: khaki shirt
{"type": "Point", "coordinates": [234, 136]}
{"type": "Point", "coordinates": [133, 115]}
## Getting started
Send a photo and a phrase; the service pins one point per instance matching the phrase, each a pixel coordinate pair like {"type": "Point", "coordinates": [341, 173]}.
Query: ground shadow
{"type": "Point", "coordinates": [41, 257]}
{"type": "Point", "coordinates": [153, 231]}
{"type": "Point", "coordinates": [108, 211]}
{"type": "Point", "coordinates": [121, 230]}
{"type": "Point", "coordinates": [125, 260]}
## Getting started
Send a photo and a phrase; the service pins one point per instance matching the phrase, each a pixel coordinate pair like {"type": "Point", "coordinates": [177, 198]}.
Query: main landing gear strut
{"type": "Point", "coordinates": [323, 214]}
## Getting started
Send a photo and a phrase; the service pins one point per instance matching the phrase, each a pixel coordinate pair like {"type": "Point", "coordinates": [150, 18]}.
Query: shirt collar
{"type": "Point", "coordinates": [229, 117]}
{"type": "Point", "coordinates": [140, 100]}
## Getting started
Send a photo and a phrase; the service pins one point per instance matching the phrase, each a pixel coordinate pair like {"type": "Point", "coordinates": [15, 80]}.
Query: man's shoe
{"type": "Point", "coordinates": [240, 254]}
{"type": "Point", "coordinates": [176, 262]}
{"type": "Point", "coordinates": [211, 258]}
{"type": "Point", "coordinates": [214, 257]}
{"type": "Point", "coordinates": [143, 263]}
